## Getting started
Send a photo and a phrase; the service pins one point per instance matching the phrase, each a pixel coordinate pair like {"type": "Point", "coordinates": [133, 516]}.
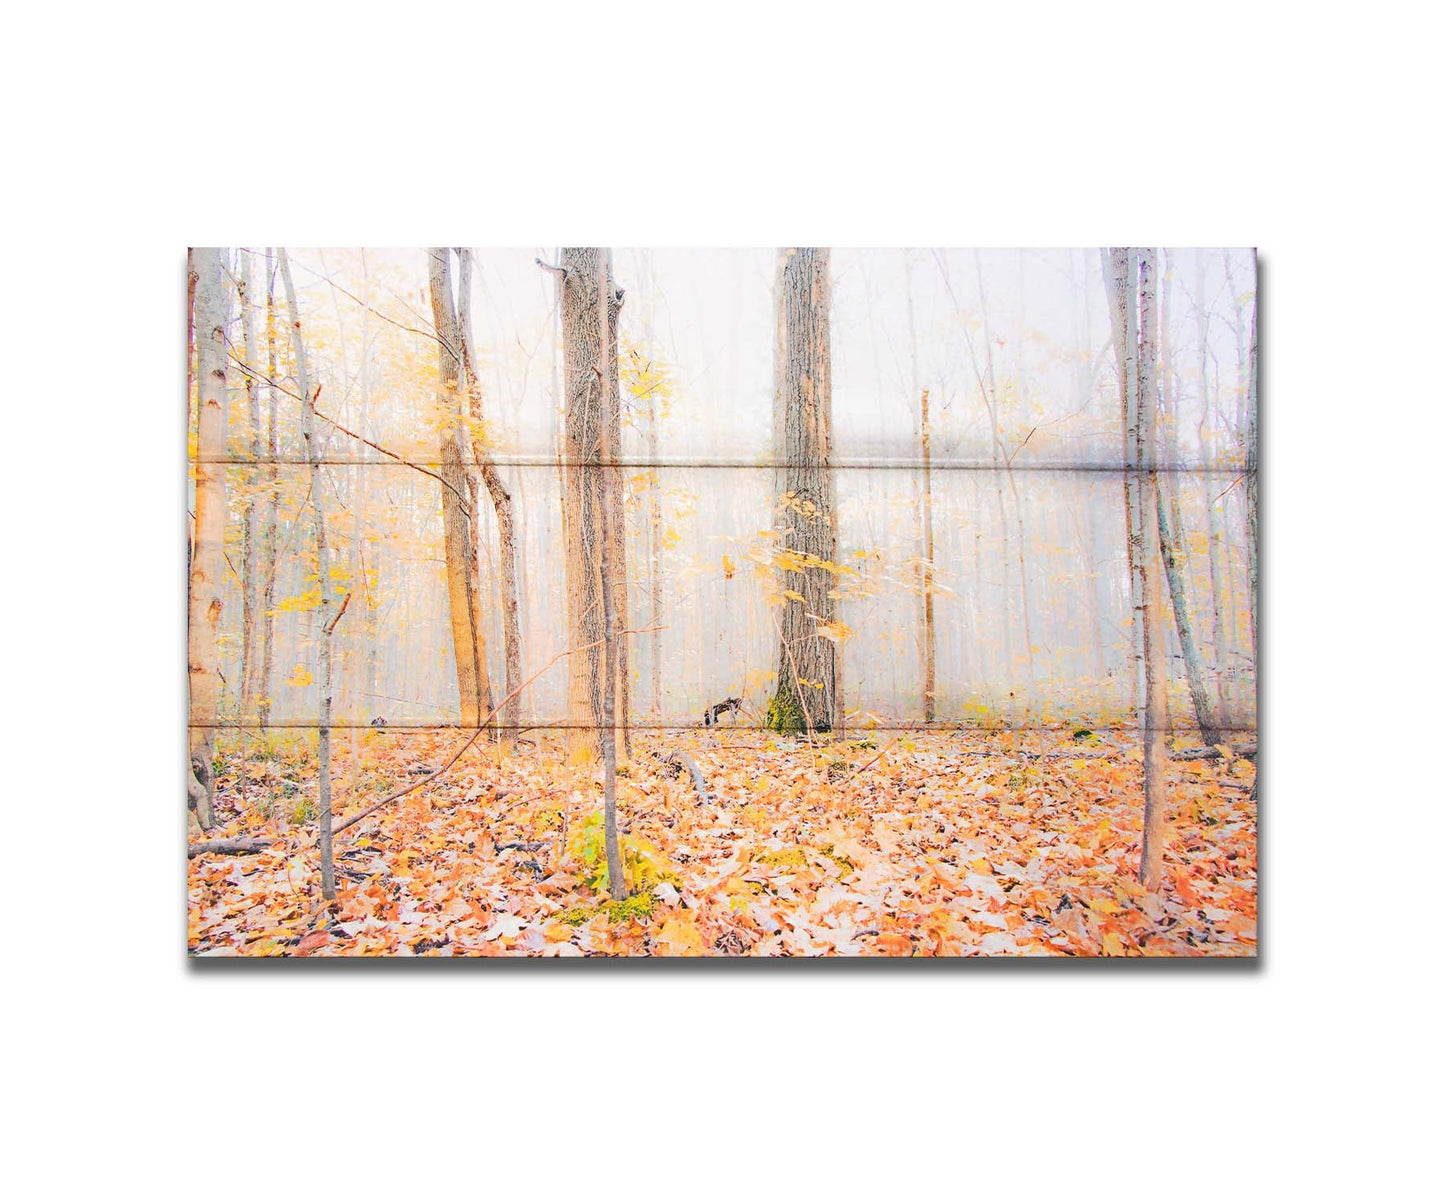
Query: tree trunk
{"type": "Point", "coordinates": [468, 637]}
{"type": "Point", "coordinates": [806, 696]}
{"type": "Point", "coordinates": [589, 355]}
{"type": "Point", "coordinates": [1204, 703]}
{"type": "Point", "coordinates": [208, 549]}
{"type": "Point", "coordinates": [608, 516]}
{"type": "Point", "coordinates": [250, 580]}
{"type": "Point", "coordinates": [501, 503]}
{"type": "Point", "coordinates": [1251, 484]}
{"type": "Point", "coordinates": [325, 621]}
{"type": "Point", "coordinates": [930, 640]}
{"type": "Point", "coordinates": [1156, 707]}
{"type": "Point", "coordinates": [273, 503]}
{"type": "Point", "coordinates": [1121, 282]}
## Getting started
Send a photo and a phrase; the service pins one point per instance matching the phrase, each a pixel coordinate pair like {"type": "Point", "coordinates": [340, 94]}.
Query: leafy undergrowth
{"type": "Point", "coordinates": [931, 844]}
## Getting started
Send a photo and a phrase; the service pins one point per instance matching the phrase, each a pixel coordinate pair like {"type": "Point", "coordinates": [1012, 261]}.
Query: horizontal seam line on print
{"type": "Point", "coordinates": [944, 728]}
{"type": "Point", "coordinates": [877, 464]}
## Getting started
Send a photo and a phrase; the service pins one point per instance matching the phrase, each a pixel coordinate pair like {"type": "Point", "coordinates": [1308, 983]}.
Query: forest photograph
{"type": "Point", "coordinates": [775, 602]}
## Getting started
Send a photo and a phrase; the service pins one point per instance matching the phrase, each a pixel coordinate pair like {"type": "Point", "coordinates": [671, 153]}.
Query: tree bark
{"type": "Point", "coordinates": [250, 580]}
{"type": "Point", "coordinates": [592, 419]}
{"type": "Point", "coordinates": [807, 692]}
{"type": "Point", "coordinates": [608, 516]}
{"type": "Point", "coordinates": [468, 636]}
{"type": "Point", "coordinates": [273, 503]}
{"type": "Point", "coordinates": [501, 503]}
{"type": "Point", "coordinates": [324, 617]}
{"type": "Point", "coordinates": [1121, 282]}
{"type": "Point", "coordinates": [930, 639]}
{"type": "Point", "coordinates": [1156, 709]}
{"type": "Point", "coordinates": [208, 548]}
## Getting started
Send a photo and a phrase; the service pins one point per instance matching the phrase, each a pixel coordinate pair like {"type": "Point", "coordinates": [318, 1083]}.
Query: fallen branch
{"type": "Point", "coordinates": [678, 759]}
{"type": "Point", "coordinates": [1209, 753]}
{"type": "Point", "coordinates": [242, 845]}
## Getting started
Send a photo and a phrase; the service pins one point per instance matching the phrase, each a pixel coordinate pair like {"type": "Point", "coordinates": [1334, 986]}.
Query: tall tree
{"type": "Point", "coordinates": [1171, 536]}
{"type": "Point", "coordinates": [1121, 280]}
{"type": "Point", "coordinates": [250, 577]}
{"type": "Point", "coordinates": [203, 660]}
{"type": "Point", "coordinates": [807, 696]}
{"type": "Point", "coordinates": [468, 634]}
{"type": "Point", "coordinates": [589, 311]}
{"type": "Point", "coordinates": [325, 619]}
{"type": "Point", "coordinates": [1156, 707]}
{"type": "Point", "coordinates": [1211, 518]}
{"type": "Point", "coordinates": [1251, 471]}
{"type": "Point", "coordinates": [609, 514]}
{"type": "Point", "coordinates": [928, 640]}
{"type": "Point", "coordinates": [497, 491]}
{"type": "Point", "coordinates": [1142, 461]}
{"type": "Point", "coordinates": [273, 502]}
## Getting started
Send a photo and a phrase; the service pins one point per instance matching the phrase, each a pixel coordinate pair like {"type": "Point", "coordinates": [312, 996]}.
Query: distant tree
{"type": "Point", "coordinates": [273, 502]}
{"type": "Point", "coordinates": [497, 490]}
{"type": "Point", "coordinates": [325, 619]}
{"type": "Point", "coordinates": [211, 316]}
{"type": "Point", "coordinates": [468, 634]}
{"type": "Point", "coordinates": [807, 695]}
{"type": "Point", "coordinates": [250, 549]}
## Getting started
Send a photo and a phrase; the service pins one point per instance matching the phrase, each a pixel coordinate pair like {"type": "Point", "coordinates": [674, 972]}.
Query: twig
{"type": "Point", "coordinates": [246, 368]}
{"type": "Point", "coordinates": [345, 602]}
{"type": "Point", "coordinates": [678, 759]}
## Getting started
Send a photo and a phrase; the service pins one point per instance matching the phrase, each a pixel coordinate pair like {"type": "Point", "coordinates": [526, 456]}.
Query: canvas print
{"type": "Point", "coordinates": [801, 602]}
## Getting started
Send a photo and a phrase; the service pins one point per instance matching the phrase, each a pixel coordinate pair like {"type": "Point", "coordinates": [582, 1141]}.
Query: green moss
{"type": "Point", "coordinates": [785, 715]}
{"type": "Point", "coordinates": [634, 907]}
{"type": "Point", "coordinates": [784, 859]}
{"type": "Point", "coordinates": [637, 907]}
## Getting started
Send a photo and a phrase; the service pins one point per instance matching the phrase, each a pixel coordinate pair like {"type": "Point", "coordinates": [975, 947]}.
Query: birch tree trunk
{"type": "Point", "coordinates": [589, 357]}
{"type": "Point", "coordinates": [468, 636]}
{"type": "Point", "coordinates": [501, 502]}
{"type": "Point", "coordinates": [203, 661]}
{"type": "Point", "coordinates": [325, 621]}
{"type": "Point", "coordinates": [1156, 706]}
{"type": "Point", "coordinates": [806, 698]}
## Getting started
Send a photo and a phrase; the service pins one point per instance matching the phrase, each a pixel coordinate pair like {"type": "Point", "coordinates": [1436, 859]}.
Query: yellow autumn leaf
{"type": "Point", "coordinates": [679, 938]}
{"type": "Point", "coordinates": [1113, 946]}
{"type": "Point", "coordinates": [1107, 906]}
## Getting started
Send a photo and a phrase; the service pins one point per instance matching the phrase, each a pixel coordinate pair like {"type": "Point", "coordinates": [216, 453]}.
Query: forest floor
{"type": "Point", "coordinates": [937, 843]}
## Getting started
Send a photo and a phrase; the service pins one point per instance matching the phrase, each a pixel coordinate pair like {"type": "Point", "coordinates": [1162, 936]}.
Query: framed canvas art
{"type": "Point", "coordinates": [801, 602]}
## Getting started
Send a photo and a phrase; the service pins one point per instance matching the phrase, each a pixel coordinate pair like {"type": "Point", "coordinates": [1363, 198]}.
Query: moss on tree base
{"type": "Point", "coordinates": [785, 716]}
